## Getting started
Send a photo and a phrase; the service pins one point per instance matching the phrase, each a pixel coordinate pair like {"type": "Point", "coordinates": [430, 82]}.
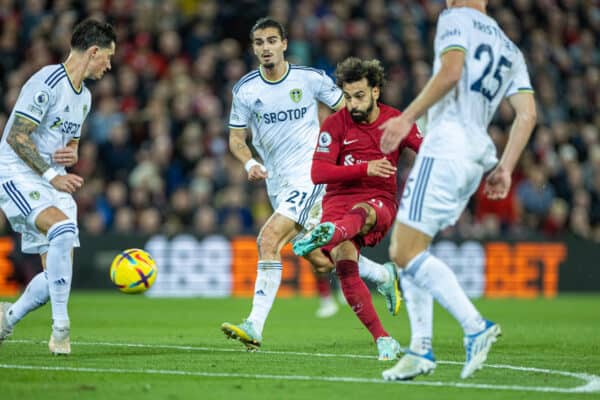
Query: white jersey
{"type": "Point", "coordinates": [283, 118]}
{"type": "Point", "coordinates": [494, 68]}
{"type": "Point", "coordinates": [49, 100]}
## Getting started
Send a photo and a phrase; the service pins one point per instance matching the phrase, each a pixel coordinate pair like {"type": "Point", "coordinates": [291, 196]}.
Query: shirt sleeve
{"type": "Point", "coordinates": [323, 172]}
{"type": "Point", "coordinates": [451, 33]}
{"type": "Point", "coordinates": [520, 82]}
{"type": "Point", "coordinates": [240, 113]}
{"type": "Point", "coordinates": [328, 143]}
{"type": "Point", "coordinates": [413, 140]}
{"type": "Point", "coordinates": [34, 101]}
{"type": "Point", "coordinates": [325, 168]}
{"type": "Point", "coordinates": [327, 92]}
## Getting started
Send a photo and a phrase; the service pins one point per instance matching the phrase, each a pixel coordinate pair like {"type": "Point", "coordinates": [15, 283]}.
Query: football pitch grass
{"type": "Point", "coordinates": [133, 347]}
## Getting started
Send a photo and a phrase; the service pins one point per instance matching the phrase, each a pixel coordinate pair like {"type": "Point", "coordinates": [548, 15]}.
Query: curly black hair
{"type": "Point", "coordinates": [353, 69]}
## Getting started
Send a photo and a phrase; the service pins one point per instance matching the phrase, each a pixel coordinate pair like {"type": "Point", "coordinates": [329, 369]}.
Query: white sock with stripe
{"type": "Point", "coordinates": [59, 266]}
{"type": "Point", "coordinates": [268, 279]}
{"type": "Point", "coordinates": [419, 307]}
{"type": "Point", "coordinates": [431, 273]}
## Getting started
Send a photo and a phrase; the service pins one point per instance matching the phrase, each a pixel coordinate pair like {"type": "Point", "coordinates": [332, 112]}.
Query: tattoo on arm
{"type": "Point", "coordinates": [19, 138]}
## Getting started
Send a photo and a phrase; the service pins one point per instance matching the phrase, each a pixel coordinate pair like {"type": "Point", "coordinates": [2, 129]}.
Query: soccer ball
{"type": "Point", "coordinates": [133, 271]}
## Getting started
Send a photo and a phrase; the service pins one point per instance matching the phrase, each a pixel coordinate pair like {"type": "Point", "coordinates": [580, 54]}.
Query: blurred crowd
{"type": "Point", "coordinates": [154, 153]}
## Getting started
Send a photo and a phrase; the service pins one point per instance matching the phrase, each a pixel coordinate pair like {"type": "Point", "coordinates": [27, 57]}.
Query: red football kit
{"type": "Point", "coordinates": [340, 160]}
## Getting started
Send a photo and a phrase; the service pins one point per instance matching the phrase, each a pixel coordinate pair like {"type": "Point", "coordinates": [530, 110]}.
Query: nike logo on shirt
{"type": "Point", "coordinates": [347, 142]}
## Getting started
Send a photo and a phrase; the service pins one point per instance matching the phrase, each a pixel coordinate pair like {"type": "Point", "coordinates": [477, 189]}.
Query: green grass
{"type": "Point", "coordinates": [192, 360]}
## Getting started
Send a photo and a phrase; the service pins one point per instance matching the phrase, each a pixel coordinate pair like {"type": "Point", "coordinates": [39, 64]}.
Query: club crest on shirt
{"type": "Point", "coordinates": [85, 109]}
{"type": "Point", "coordinates": [296, 95]}
{"type": "Point", "coordinates": [35, 195]}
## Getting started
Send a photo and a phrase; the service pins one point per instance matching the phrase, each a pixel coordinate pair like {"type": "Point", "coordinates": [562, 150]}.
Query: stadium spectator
{"type": "Point", "coordinates": [177, 63]}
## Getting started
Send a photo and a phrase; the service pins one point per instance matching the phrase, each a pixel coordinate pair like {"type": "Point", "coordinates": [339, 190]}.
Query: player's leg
{"type": "Point", "coordinates": [358, 296]}
{"type": "Point", "coordinates": [419, 306]}
{"type": "Point", "coordinates": [360, 219]}
{"type": "Point", "coordinates": [441, 189]}
{"type": "Point", "coordinates": [35, 295]}
{"type": "Point", "coordinates": [419, 360]}
{"type": "Point", "coordinates": [55, 231]}
{"type": "Point", "coordinates": [385, 276]}
{"type": "Point", "coordinates": [430, 273]}
{"type": "Point", "coordinates": [61, 232]}
{"type": "Point", "coordinates": [277, 231]}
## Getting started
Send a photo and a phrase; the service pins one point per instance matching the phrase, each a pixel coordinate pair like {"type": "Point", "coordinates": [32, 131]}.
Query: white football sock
{"type": "Point", "coordinates": [372, 271]}
{"type": "Point", "coordinates": [432, 274]}
{"type": "Point", "coordinates": [59, 267]}
{"type": "Point", "coordinates": [36, 294]}
{"type": "Point", "coordinates": [268, 279]}
{"type": "Point", "coordinates": [419, 307]}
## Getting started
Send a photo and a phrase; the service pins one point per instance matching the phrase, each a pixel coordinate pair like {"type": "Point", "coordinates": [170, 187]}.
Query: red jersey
{"type": "Point", "coordinates": [345, 147]}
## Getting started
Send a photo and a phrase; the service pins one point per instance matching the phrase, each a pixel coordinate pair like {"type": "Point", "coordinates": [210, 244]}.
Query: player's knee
{"type": "Point", "coordinates": [63, 234]}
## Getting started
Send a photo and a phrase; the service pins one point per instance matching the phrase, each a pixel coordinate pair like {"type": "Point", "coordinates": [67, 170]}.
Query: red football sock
{"type": "Point", "coordinates": [323, 286]}
{"type": "Point", "coordinates": [349, 225]}
{"type": "Point", "coordinates": [359, 298]}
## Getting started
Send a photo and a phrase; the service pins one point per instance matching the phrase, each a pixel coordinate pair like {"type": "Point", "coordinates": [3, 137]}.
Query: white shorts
{"type": "Point", "coordinates": [437, 191]}
{"type": "Point", "coordinates": [300, 202]}
{"type": "Point", "coordinates": [23, 198]}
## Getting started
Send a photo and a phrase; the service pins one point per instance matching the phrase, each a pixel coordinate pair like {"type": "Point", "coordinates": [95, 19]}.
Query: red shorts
{"type": "Point", "coordinates": [336, 207]}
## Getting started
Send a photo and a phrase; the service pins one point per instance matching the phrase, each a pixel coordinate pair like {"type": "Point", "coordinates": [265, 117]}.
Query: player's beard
{"type": "Point", "coordinates": [360, 116]}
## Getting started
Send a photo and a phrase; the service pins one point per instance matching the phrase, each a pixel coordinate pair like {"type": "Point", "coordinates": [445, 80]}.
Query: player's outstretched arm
{"type": "Point", "coordinates": [241, 151]}
{"type": "Point", "coordinates": [521, 129]}
{"type": "Point", "coordinates": [19, 138]}
{"type": "Point", "coordinates": [396, 129]}
{"type": "Point", "coordinates": [324, 172]}
{"type": "Point", "coordinates": [497, 184]}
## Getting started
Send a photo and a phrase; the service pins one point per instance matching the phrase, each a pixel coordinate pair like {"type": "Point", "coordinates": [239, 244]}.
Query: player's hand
{"type": "Point", "coordinates": [382, 168]}
{"type": "Point", "coordinates": [67, 183]}
{"type": "Point", "coordinates": [394, 131]}
{"type": "Point", "coordinates": [497, 183]}
{"type": "Point", "coordinates": [257, 173]}
{"type": "Point", "coordinates": [66, 156]}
